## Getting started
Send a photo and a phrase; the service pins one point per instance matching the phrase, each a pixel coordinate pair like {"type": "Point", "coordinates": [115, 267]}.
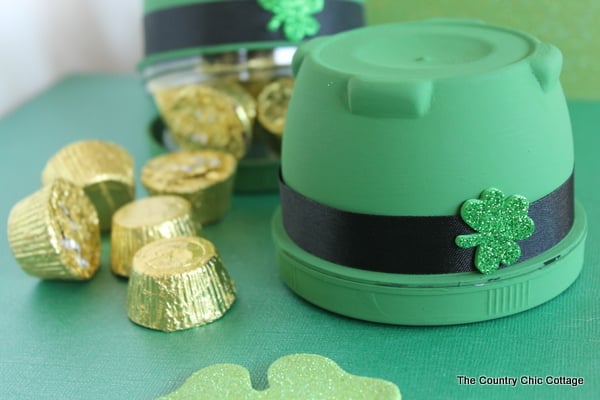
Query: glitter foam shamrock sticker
{"type": "Point", "coordinates": [499, 223]}
{"type": "Point", "coordinates": [295, 16]}
{"type": "Point", "coordinates": [292, 377]}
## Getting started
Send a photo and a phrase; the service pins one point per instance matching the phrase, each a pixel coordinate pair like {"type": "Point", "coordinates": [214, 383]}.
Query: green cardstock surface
{"type": "Point", "coordinates": [74, 340]}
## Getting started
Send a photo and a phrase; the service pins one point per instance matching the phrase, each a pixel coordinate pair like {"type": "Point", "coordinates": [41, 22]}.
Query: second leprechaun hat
{"type": "Point", "coordinates": [175, 29]}
{"type": "Point", "coordinates": [248, 42]}
{"type": "Point", "coordinates": [427, 174]}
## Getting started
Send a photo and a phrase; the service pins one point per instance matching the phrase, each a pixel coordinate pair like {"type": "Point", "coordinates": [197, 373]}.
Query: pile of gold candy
{"type": "Point", "coordinates": [176, 278]}
{"type": "Point", "coordinates": [223, 111]}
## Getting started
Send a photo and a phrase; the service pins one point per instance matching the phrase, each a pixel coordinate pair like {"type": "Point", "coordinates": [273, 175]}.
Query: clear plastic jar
{"type": "Point", "coordinates": [226, 84]}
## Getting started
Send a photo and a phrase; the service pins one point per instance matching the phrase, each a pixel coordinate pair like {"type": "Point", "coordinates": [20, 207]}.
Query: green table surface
{"type": "Point", "coordinates": [74, 340]}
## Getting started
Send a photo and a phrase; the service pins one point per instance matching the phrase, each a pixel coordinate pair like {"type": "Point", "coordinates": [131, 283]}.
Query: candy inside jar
{"type": "Point", "coordinates": [233, 102]}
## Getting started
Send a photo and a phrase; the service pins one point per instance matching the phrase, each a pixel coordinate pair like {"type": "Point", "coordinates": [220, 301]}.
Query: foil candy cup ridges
{"type": "Point", "coordinates": [54, 233]}
{"type": "Point", "coordinates": [103, 169]}
{"type": "Point", "coordinates": [177, 284]}
{"type": "Point", "coordinates": [143, 221]}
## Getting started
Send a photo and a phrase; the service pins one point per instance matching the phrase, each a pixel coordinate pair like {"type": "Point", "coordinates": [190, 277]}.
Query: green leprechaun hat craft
{"type": "Point", "coordinates": [174, 29]}
{"type": "Point", "coordinates": [243, 49]}
{"type": "Point", "coordinates": [427, 174]}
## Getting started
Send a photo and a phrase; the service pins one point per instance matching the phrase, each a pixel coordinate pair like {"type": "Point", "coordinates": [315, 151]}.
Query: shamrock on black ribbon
{"type": "Point", "coordinates": [295, 16]}
{"type": "Point", "coordinates": [499, 222]}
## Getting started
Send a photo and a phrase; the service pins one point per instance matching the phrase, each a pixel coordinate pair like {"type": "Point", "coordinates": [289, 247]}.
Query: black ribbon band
{"type": "Point", "coordinates": [406, 244]}
{"type": "Point", "coordinates": [230, 22]}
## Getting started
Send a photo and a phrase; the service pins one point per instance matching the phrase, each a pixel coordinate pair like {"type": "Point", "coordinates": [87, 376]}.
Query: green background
{"type": "Point", "coordinates": [74, 341]}
{"type": "Point", "coordinates": [572, 25]}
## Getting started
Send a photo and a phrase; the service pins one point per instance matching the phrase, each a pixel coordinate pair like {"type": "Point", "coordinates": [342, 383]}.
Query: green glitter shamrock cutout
{"type": "Point", "coordinates": [295, 15]}
{"type": "Point", "coordinates": [499, 222]}
{"type": "Point", "coordinates": [292, 377]}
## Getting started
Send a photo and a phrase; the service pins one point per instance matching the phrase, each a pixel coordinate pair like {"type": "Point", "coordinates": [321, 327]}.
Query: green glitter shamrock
{"type": "Point", "coordinates": [295, 376]}
{"type": "Point", "coordinates": [499, 222]}
{"type": "Point", "coordinates": [296, 15]}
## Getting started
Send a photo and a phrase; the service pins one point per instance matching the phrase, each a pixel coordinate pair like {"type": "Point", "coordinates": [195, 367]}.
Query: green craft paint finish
{"type": "Point", "coordinates": [430, 113]}
{"type": "Point", "coordinates": [412, 120]}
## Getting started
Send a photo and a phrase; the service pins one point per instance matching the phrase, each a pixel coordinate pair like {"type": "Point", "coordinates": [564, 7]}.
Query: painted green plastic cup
{"type": "Point", "coordinates": [413, 119]}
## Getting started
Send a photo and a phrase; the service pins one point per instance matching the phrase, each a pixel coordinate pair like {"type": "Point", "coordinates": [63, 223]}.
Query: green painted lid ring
{"type": "Point", "coordinates": [428, 120]}
{"type": "Point", "coordinates": [443, 299]}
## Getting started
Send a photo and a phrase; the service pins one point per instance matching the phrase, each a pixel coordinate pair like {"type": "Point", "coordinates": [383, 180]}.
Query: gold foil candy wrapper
{"type": "Point", "coordinates": [178, 283]}
{"type": "Point", "coordinates": [146, 220]}
{"type": "Point", "coordinates": [260, 72]}
{"type": "Point", "coordinates": [203, 177]}
{"type": "Point", "coordinates": [255, 86]}
{"type": "Point", "coordinates": [54, 233]}
{"type": "Point", "coordinates": [104, 170]}
{"type": "Point", "coordinates": [202, 117]}
{"type": "Point", "coordinates": [240, 95]}
{"type": "Point", "coordinates": [273, 103]}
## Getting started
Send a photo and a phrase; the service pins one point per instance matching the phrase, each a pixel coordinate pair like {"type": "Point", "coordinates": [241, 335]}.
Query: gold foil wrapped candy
{"type": "Point", "coordinates": [202, 117]}
{"type": "Point", "coordinates": [143, 221]}
{"type": "Point", "coordinates": [54, 233]}
{"type": "Point", "coordinates": [203, 177]}
{"type": "Point", "coordinates": [178, 283]}
{"type": "Point", "coordinates": [104, 170]}
{"type": "Point", "coordinates": [273, 103]}
{"type": "Point", "coordinates": [262, 68]}
{"type": "Point", "coordinates": [238, 94]}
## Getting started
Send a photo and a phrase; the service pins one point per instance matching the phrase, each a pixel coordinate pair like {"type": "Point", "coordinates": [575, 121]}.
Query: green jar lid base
{"type": "Point", "coordinates": [258, 171]}
{"type": "Point", "coordinates": [443, 299]}
{"type": "Point", "coordinates": [259, 175]}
